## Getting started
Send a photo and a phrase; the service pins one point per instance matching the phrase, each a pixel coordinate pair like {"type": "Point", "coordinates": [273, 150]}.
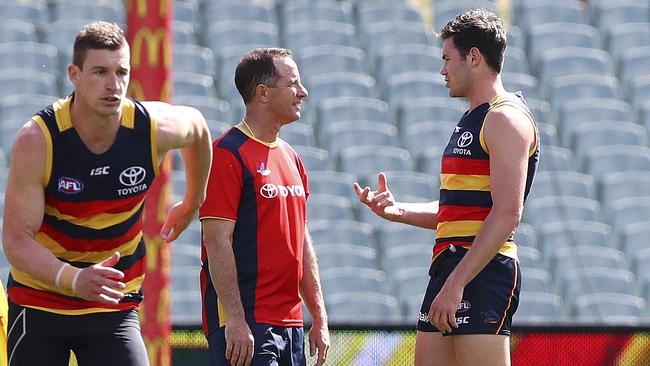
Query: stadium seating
{"type": "Point", "coordinates": [539, 307]}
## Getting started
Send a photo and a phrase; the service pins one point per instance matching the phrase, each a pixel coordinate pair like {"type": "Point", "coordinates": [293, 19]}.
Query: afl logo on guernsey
{"type": "Point", "coordinates": [69, 185]}
{"type": "Point", "coordinates": [465, 139]}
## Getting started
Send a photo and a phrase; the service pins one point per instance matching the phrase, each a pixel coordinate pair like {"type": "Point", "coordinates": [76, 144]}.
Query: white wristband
{"type": "Point", "coordinates": [74, 281]}
{"type": "Point", "coordinates": [57, 279]}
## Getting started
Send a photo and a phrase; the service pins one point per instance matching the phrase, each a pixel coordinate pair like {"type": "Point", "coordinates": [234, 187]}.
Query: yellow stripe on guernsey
{"type": "Point", "coordinates": [125, 249]}
{"type": "Point", "coordinates": [154, 145]}
{"type": "Point", "coordinates": [132, 286]}
{"type": "Point", "coordinates": [462, 182]}
{"type": "Point", "coordinates": [99, 221]}
{"type": "Point", "coordinates": [458, 228]}
{"type": "Point", "coordinates": [48, 148]}
{"type": "Point", "coordinates": [64, 122]}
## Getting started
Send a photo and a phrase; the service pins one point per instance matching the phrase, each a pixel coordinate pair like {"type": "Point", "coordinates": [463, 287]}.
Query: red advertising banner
{"type": "Point", "coordinates": [149, 33]}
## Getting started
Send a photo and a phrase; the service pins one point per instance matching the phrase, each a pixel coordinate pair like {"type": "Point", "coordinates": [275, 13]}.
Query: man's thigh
{"type": "Point", "coordinates": [114, 339]}
{"type": "Point", "coordinates": [35, 336]}
{"type": "Point", "coordinates": [482, 349]}
{"type": "Point", "coordinates": [431, 348]}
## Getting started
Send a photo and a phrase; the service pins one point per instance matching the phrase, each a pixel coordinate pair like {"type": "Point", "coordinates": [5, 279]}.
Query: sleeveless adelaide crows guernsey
{"type": "Point", "coordinates": [465, 197]}
{"type": "Point", "coordinates": [93, 207]}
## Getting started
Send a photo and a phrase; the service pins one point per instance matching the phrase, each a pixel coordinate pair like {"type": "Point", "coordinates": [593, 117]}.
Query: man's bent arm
{"type": "Point", "coordinates": [184, 128]}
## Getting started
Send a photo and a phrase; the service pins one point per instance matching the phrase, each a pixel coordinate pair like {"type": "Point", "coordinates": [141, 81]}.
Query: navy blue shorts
{"type": "Point", "coordinates": [274, 346]}
{"type": "Point", "coordinates": [489, 300]}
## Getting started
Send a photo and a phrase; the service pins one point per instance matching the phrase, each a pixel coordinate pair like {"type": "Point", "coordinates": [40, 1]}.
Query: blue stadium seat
{"type": "Point", "coordinates": [315, 159]}
{"type": "Point", "coordinates": [358, 307]}
{"type": "Point", "coordinates": [587, 111]}
{"type": "Point", "coordinates": [339, 256]}
{"type": "Point", "coordinates": [212, 108]}
{"type": "Point", "coordinates": [306, 10]}
{"type": "Point", "coordinates": [298, 134]}
{"type": "Point", "coordinates": [622, 37]}
{"type": "Point", "coordinates": [349, 109]}
{"type": "Point", "coordinates": [345, 134]}
{"type": "Point", "coordinates": [107, 10]}
{"type": "Point", "coordinates": [633, 63]}
{"type": "Point", "coordinates": [362, 160]}
{"type": "Point", "coordinates": [13, 30]}
{"type": "Point", "coordinates": [319, 59]}
{"type": "Point", "coordinates": [422, 135]}
{"type": "Point", "coordinates": [229, 10]}
{"type": "Point", "coordinates": [525, 83]}
{"type": "Point", "coordinates": [538, 307]}
{"type": "Point", "coordinates": [31, 56]}
{"type": "Point", "coordinates": [333, 182]}
{"type": "Point", "coordinates": [607, 14]}
{"type": "Point", "coordinates": [193, 84]}
{"type": "Point", "coordinates": [229, 33]}
{"type": "Point", "coordinates": [391, 235]}
{"type": "Point", "coordinates": [616, 158]}
{"type": "Point", "coordinates": [543, 37]}
{"type": "Point", "coordinates": [610, 308]}
{"type": "Point", "coordinates": [323, 206]}
{"type": "Point", "coordinates": [193, 58]}
{"type": "Point", "coordinates": [586, 256]}
{"type": "Point", "coordinates": [426, 108]}
{"type": "Point", "coordinates": [550, 209]}
{"type": "Point", "coordinates": [347, 232]}
{"type": "Point", "coordinates": [625, 185]}
{"type": "Point", "coordinates": [606, 133]}
{"type": "Point", "coordinates": [406, 58]}
{"type": "Point", "coordinates": [304, 34]}
{"type": "Point", "coordinates": [535, 279]}
{"type": "Point", "coordinates": [549, 183]}
{"type": "Point", "coordinates": [557, 159]}
{"type": "Point", "coordinates": [573, 233]}
{"type": "Point", "coordinates": [559, 62]}
{"type": "Point", "coordinates": [515, 61]}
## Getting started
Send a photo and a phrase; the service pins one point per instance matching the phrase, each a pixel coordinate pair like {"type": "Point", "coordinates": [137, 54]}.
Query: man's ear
{"type": "Point", "coordinates": [261, 92]}
{"type": "Point", "coordinates": [475, 55]}
{"type": "Point", "coordinates": [73, 73]}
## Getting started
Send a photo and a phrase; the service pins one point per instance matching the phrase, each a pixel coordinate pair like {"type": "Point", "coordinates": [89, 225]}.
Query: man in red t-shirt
{"type": "Point", "coordinates": [258, 260]}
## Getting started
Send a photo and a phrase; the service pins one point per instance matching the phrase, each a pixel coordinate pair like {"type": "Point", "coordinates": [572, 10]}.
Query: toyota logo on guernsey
{"type": "Point", "coordinates": [270, 190]}
{"type": "Point", "coordinates": [465, 139]}
{"type": "Point", "coordinates": [132, 177]}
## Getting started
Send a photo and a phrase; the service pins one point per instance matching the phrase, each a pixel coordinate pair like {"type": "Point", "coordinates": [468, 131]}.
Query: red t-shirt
{"type": "Point", "coordinates": [263, 188]}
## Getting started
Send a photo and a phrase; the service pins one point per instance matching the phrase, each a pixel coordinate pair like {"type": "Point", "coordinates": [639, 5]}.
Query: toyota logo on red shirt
{"type": "Point", "coordinates": [269, 190]}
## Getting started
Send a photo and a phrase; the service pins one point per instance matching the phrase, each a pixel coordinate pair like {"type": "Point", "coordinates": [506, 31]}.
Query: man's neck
{"type": "Point", "coordinates": [97, 132]}
{"type": "Point", "coordinates": [484, 90]}
{"type": "Point", "coordinates": [261, 128]}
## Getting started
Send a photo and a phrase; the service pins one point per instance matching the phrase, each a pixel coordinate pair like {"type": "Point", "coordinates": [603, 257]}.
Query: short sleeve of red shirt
{"type": "Point", "coordinates": [224, 187]}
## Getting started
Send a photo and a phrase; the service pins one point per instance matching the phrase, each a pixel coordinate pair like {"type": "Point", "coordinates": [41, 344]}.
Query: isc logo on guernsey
{"type": "Point", "coordinates": [270, 190]}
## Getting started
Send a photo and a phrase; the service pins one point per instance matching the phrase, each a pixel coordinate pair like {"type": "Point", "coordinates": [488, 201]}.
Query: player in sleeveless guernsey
{"type": "Point", "coordinates": [258, 259]}
{"type": "Point", "coordinates": [72, 232]}
{"type": "Point", "coordinates": [486, 173]}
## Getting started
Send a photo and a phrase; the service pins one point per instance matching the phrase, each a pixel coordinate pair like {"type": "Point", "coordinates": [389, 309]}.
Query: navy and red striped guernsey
{"type": "Point", "coordinates": [93, 207]}
{"type": "Point", "coordinates": [263, 188]}
{"type": "Point", "coordinates": [465, 197]}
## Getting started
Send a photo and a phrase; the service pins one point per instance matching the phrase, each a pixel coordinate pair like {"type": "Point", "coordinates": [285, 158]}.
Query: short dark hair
{"type": "Point", "coordinates": [97, 35]}
{"type": "Point", "coordinates": [478, 28]}
{"type": "Point", "coordinates": [258, 67]}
